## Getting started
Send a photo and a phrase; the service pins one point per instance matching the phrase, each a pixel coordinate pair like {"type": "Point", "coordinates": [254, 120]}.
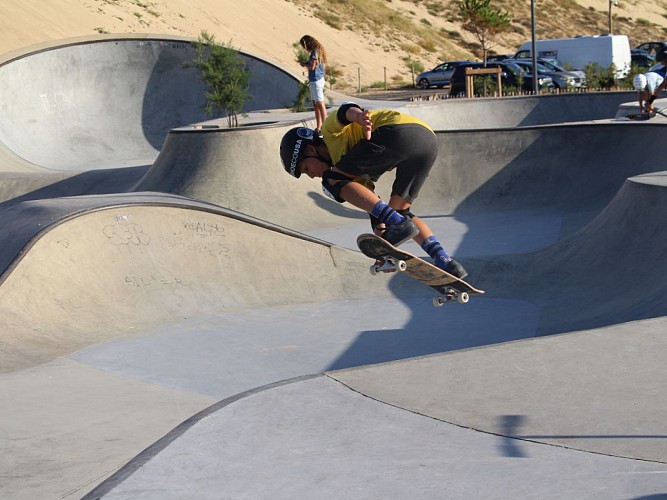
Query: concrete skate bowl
{"type": "Point", "coordinates": [572, 169]}
{"type": "Point", "coordinates": [84, 270]}
{"type": "Point", "coordinates": [96, 271]}
{"type": "Point", "coordinates": [574, 174]}
{"type": "Point", "coordinates": [109, 101]}
{"type": "Point", "coordinates": [611, 271]}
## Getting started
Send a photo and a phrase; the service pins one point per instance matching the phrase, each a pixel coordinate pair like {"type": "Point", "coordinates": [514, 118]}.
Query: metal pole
{"type": "Point", "coordinates": [610, 17]}
{"type": "Point", "coordinates": [533, 48]}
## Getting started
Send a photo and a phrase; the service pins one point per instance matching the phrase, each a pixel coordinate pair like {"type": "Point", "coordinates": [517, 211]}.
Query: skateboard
{"type": "Point", "coordinates": [646, 116]}
{"type": "Point", "coordinates": [640, 116]}
{"type": "Point", "coordinates": [391, 259]}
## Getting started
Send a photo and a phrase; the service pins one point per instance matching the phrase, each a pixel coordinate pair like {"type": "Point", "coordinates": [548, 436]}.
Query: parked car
{"type": "Point", "coordinates": [659, 68]}
{"type": "Point", "coordinates": [642, 59]}
{"type": "Point", "coordinates": [556, 65]}
{"type": "Point", "coordinates": [652, 47]}
{"type": "Point", "coordinates": [512, 76]}
{"type": "Point", "coordinates": [498, 57]}
{"type": "Point", "coordinates": [562, 78]}
{"type": "Point", "coordinates": [440, 76]}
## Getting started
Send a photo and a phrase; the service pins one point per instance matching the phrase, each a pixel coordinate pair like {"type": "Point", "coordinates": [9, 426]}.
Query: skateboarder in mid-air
{"type": "Point", "coordinates": [356, 148]}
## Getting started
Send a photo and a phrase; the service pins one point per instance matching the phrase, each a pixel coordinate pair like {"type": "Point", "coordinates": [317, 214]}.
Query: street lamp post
{"type": "Point", "coordinates": [615, 2]}
{"type": "Point", "coordinates": [533, 45]}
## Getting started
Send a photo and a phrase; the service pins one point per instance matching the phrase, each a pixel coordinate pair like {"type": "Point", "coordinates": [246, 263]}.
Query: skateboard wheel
{"type": "Point", "coordinates": [402, 266]}
{"type": "Point", "coordinates": [463, 297]}
{"type": "Point", "coordinates": [439, 301]}
{"type": "Point", "coordinates": [373, 269]}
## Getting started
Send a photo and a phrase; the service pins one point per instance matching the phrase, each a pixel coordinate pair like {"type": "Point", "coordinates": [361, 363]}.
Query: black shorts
{"type": "Point", "coordinates": [410, 148]}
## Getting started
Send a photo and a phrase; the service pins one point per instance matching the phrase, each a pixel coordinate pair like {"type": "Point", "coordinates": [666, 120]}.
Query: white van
{"type": "Point", "coordinates": [580, 51]}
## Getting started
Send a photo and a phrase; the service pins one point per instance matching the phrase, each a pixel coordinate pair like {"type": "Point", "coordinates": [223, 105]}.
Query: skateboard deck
{"type": "Point", "coordinates": [646, 116]}
{"type": "Point", "coordinates": [392, 259]}
{"type": "Point", "coordinates": [640, 116]}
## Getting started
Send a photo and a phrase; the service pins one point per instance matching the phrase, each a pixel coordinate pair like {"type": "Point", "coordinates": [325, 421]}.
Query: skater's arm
{"type": "Point", "coordinates": [362, 117]}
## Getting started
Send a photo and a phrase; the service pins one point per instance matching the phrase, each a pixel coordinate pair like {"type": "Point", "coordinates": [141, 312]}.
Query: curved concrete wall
{"type": "Point", "coordinates": [76, 271]}
{"type": "Point", "coordinates": [106, 102]}
{"type": "Point", "coordinates": [611, 271]}
{"type": "Point", "coordinates": [465, 114]}
{"type": "Point", "coordinates": [477, 170]}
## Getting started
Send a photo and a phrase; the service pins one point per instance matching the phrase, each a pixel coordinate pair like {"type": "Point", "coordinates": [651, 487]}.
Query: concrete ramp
{"type": "Point", "coordinates": [109, 101]}
{"type": "Point", "coordinates": [81, 271]}
{"type": "Point", "coordinates": [613, 270]}
{"type": "Point", "coordinates": [240, 169]}
{"type": "Point", "coordinates": [525, 111]}
{"type": "Point", "coordinates": [574, 168]}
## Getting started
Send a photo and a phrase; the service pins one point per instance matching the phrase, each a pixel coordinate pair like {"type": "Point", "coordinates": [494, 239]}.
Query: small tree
{"type": "Point", "coordinates": [301, 55]}
{"type": "Point", "coordinates": [332, 74]}
{"type": "Point", "coordinates": [225, 74]}
{"type": "Point", "coordinates": [303, 93]}
{"type": "Point", "coordinates": [483, 21]}
{"type": "Point", "coordinates": [598, 77]}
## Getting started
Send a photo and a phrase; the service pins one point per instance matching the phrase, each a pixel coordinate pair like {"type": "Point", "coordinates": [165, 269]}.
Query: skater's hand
{"type": "Point", "coordinates": [365, 122]}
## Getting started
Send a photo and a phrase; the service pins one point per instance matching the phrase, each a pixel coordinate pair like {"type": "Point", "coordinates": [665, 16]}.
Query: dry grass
{"type": "Point", "coordinates": [438, 32]}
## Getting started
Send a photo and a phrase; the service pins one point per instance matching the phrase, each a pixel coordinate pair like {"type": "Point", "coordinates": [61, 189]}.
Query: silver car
{"type": "Point", "coordinates": [562, 78]}
{"type": "Point", "coordinates": [440, 76]}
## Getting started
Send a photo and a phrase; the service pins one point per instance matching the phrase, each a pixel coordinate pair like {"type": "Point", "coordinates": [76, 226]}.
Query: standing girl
{"type": "Point", "coordinates": [316, 63]}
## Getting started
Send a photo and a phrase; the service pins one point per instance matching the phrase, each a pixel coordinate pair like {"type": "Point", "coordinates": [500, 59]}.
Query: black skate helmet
{"type": "Point", "coordinates": [291, 148]}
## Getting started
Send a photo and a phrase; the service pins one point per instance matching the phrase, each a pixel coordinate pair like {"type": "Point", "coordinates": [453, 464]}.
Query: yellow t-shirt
{"type": "Point", "coordinates": [341, 138]}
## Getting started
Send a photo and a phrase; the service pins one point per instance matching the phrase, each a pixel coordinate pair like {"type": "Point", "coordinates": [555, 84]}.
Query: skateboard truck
{"type": "Point", "coordinates": [390, 264]}
{"type": "Point", "coordinates": [450, 295]}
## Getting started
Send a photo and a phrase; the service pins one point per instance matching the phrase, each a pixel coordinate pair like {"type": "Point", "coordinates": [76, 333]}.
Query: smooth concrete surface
{"type": "Point", "coordinates": [566, 168]}
{"type": "Point", "coordinates": [317, 439]}
{"type": "Point", "coordinates": [107, 101]}
{"type": "Point", "coordinates": [203, 327]}
{"type": "Point", "coordinates": [526, 111]}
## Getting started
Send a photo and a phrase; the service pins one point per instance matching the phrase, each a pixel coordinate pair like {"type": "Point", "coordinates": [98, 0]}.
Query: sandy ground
{"type": "Point", "coordinates": [266, 28]}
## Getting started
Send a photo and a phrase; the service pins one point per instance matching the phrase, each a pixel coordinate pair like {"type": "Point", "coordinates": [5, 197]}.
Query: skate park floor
{"type": "Point", "coordinates": [168, 333]}
{"type": "Point", "coordinates": [376, 395]}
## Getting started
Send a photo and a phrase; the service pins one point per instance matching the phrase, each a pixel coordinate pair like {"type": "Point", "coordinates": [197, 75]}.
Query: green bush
{"type": "Point", "coordinates": [598, 77]}
{"type": "Point", "coordinates": [225, 74]}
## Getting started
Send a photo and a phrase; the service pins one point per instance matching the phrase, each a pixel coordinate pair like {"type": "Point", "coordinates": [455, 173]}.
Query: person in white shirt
{"type": "Point", "coordinates": [646, 85]}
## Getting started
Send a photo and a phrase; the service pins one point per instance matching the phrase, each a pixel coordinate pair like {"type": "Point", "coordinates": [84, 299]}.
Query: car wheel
{"type": "Point", "coordinates": [423, 83]}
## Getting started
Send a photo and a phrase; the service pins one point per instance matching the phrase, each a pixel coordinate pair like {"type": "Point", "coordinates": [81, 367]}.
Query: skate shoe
{"type": "Point", "coordinates": [455, 269]}
{"type": "Point", "coordinates": [397, 234]}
